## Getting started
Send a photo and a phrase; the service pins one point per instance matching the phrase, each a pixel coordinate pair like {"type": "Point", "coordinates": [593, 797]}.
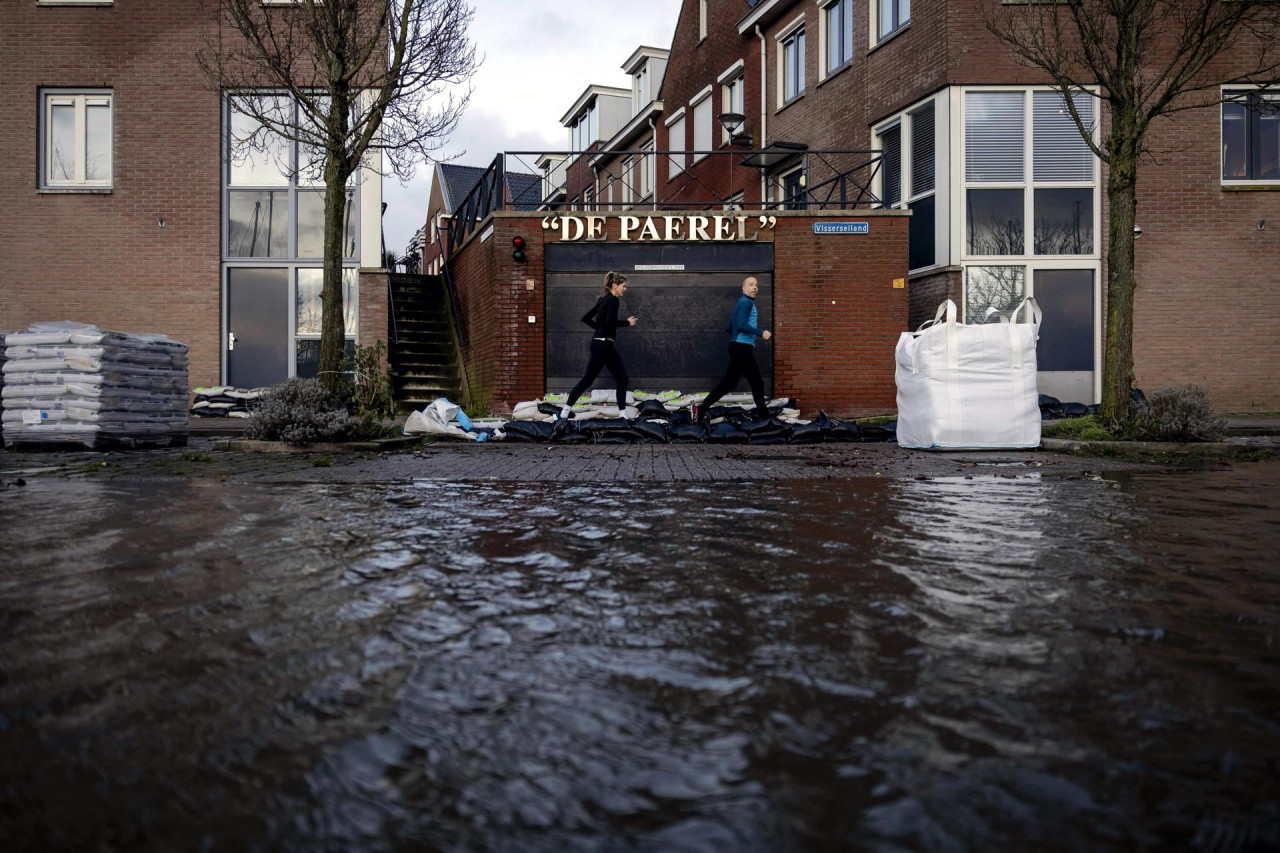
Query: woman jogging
{"type": "Point", "coordinates": [603, 318]}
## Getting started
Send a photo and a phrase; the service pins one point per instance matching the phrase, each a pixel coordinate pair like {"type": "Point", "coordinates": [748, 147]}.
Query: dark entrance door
{"type": "Point", "coordinates": [257, 326]}
{"type": "Point", "coordinates": [1064, 354]}
{"type": "Point", "coordinates": [681, 292]}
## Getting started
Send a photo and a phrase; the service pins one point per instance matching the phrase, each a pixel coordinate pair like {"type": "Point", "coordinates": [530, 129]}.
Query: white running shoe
{"type": "Point", "coordinates": [631, 413]}
{"type": "Point", "coordinates": [565, 412]}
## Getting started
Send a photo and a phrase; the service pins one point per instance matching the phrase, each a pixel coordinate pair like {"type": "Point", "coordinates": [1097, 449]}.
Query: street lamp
{"type": "Point", "coordinates": [733, 124]}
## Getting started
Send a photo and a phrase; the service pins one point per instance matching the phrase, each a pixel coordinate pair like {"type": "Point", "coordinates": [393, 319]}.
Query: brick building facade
{"type": "Point", "coordinates": [138, 226]}
{"type": "Point", "coordinates": [1006, 201]}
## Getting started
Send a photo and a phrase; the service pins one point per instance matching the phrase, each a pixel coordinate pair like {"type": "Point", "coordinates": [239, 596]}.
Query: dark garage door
{"type": "Point", "coordinates": [680, 340]}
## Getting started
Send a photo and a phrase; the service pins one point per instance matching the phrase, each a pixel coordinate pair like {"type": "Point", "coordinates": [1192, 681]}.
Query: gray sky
{"type": "Point", "coordinates": [538, 57]}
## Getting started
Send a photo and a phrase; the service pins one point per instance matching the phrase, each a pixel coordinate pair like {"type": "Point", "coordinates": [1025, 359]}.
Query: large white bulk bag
{"type": "Point", "coordinates": [968, 387]}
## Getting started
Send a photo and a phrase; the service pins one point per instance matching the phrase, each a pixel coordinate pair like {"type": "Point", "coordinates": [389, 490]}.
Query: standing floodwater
{"type": "Point", "coordinates": [949, 664]}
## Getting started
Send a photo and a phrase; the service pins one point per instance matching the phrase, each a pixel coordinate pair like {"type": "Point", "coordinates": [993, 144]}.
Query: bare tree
{"type": "Point", "coordinates": [1147, 58]}
{"type": "Point", "coordinates": [343, 79]}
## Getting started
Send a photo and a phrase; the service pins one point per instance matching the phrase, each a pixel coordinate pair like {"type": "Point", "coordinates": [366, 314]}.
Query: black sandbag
{"type": "Point", "coordinates": [649, 431]}
{"type": "Point", "coordinates": [806, 433]}
{"type": "Point", "coordinates": [765, 426]}
{"type": "Point", "coordinates": [528, 430]}
{"type": "Point", "coordinates": [565, 431]}
{"type": "Point", "coordinates": [549, 409]}
{"type": "Point", "coordinates": [1050, 407]}
{"type": "Point", "coordinates": [653, 409]}
{"type": "Point", "coordinates": [596, 426]}
{"type": "Point", "coordinates": [611, 438]}
{"type": "Point", "coordinates": [680, 417]}
{"type": "Point", "coordinates": [688, 434]}
{"type": "Point", "coordinates": [823, 420]}
{"type": "Point", "coordinates": [1074, 410]}
{"type": "Point", "coordinates": [726, 433]}
{"type": "Point", "coordinates": [770, 438]}
{"type": "Point", "coordinates": [840, 431]}
{"type": "Point", "coordinates": [726, 411]}
{"type": "Point", "coordinates": [1138, 400]}
{"type": "Point", "coordinates": [877, 432]}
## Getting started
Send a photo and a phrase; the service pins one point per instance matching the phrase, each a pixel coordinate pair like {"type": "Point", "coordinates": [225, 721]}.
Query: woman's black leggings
{"type": "Point", "coordinates": [742, 362]}
{"type": "Point", "coordinates": [602, 355]}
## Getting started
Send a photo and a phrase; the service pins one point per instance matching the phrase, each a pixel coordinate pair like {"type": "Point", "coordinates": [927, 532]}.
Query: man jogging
{"type": "Point", "coordinates": [742, 354]}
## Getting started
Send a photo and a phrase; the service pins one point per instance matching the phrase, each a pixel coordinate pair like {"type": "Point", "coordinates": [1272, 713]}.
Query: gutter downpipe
{"type": "Point", "coordinates": [764, 108]}
{"type": "Point", "coordinates": [653, 128]}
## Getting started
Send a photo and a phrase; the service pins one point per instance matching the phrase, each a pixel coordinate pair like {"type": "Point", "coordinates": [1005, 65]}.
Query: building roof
{"type": "Point", "coordinates": [457, 181]}
{"type": "Point", "coordinates": [589, 94]}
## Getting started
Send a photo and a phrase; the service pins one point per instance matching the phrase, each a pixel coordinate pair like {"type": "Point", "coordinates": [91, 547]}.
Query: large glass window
{"type": "Point", "coordinates": [838, 22]}
{"type": "Point", "coordinates": [998, 287]}
{"type": "Point", "coordinates": [891, 16]}
{"type": "Point", "coordinates": [1251, 137]}
{"type": "Point", "coordinates": [275, 216]}
{"type": "Point", "coordinates": [891, 165]}
{"type": "Point", "coordinates": [793, 65]}
{"type": "Point", "coordinates": [77, 148]}
{"type": "Point", "coordinates": [1052, 185]}
{"type": "Point", "coordinates": [921, 175]}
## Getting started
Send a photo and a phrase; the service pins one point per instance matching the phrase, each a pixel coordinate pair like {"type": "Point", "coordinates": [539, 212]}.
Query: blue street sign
{"type": "Point", "coordinates": [841, 227]}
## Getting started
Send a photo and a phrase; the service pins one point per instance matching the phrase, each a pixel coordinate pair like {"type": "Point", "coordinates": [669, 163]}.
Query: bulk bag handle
{"type": "Point", "coordinates": [948, 307]}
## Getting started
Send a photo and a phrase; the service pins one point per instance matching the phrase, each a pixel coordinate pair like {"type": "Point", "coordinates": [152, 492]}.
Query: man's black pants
{"type": "Point", "coordinates": [742, 362]}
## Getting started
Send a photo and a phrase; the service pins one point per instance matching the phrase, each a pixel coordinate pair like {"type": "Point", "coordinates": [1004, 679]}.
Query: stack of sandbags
{"type": "Point", "coordinates": [223, 401]}
{"type": "Point", "coordinates": [3, 334]}
{"type": "Point", "coordinates": [70, 383]}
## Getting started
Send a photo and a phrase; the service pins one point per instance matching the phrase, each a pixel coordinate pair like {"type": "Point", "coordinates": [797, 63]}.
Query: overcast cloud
{"type": "Point", "coordinates": [538, 57]}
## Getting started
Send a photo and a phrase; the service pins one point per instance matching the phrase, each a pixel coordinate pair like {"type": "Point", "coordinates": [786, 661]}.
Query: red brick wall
{"type": "Point", "coordinates": [104, 259]}
{"type": "Point", "coordinates": [835, 357]}
{"type": "Point", "coordinates": [373, 307]}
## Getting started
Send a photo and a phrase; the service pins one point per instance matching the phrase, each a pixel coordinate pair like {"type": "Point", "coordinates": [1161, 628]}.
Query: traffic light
{"type": "Point", "coordinates": [518, 255]}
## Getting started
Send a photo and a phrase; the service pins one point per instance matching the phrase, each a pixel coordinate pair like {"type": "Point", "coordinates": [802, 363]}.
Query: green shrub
{"type": "Point", "coordinates": [1178, 414]}
{"type": "Point", "coordinates": [1084, 428]}
{"type": "Point", "coordinates": [366, 383]}
{"type": "Point", "coordinates": [300, 411]}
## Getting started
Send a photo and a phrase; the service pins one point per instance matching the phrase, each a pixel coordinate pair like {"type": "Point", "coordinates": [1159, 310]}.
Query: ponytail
{"type": "Point", "coordinates": [610, 279]}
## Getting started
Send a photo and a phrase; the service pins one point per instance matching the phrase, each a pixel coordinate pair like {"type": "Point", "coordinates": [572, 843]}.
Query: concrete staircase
{"type": "Point", "coordinates": [425, 359]}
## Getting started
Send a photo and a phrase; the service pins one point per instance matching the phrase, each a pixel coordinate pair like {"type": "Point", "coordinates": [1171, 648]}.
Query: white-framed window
{"type": "Point", "coordinates": [76, 139]}
{"type": "Point", "coordinates": [308, 283]}
{"type": "Point", "coordinates": [589, 198]}
{"type": "Point", "coordinates": [640, 88]}
{"type": "Point", "coordinates": [837, 35]}
{"type": "Point", "coordinates": [702, 19]}
{"type": "Point", "coordinates": [735, 202]}
{"type": "Point", "coordinates": [887, 17]}
{"type": "Point", "coordinates": [629, 178]}
{"type": "Point", "coordinates": [584, 131]}
{"type": "Point", "coordinates": [786, 189]}
{"type": "Point", "coordinates": [791, 60]}
{"type": "Point", "coordinates": [703, 135]}
{"type": "Point", "coordinates": [907, 178]}
{"type": "Point", "coordinates": [647, 170]}
{"type": "Point", "coordinates": [733, 99]}
{"type": "Point", "coordinates": [1250, 137]}
{"type": "Point", "coordinates": [1030, 180]}
{"type": "Point", "coordinates": [676, 144]}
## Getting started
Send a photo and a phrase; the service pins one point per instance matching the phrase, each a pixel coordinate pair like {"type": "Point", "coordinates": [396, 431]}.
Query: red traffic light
{"type": "Point", "coordinates": [518, 255]}
{"type": "Point", "coordinates": [518, 242]}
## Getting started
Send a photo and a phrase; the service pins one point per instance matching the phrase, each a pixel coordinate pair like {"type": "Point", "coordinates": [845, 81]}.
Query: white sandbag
{"type": "Point", "coordinates": [526, 411]}
{"type": "Point", "coordinates": [969, 387]}
{"type": "Point", "coordinates": [602, 396]}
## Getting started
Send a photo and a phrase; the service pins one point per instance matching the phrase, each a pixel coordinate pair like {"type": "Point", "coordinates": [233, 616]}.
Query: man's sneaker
{"type": "Point", "coordinates": [565, 412]}
{"type": "Point", "coordinates": [631, 413]}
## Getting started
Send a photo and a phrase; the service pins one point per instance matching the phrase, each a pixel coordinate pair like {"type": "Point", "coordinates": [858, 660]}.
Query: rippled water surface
{"type": "Point", "coordinates": [941, 665]}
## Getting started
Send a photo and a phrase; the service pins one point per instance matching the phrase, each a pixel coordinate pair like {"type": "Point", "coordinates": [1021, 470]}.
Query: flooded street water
{"type": "Point", "coordinates": [948, 664]}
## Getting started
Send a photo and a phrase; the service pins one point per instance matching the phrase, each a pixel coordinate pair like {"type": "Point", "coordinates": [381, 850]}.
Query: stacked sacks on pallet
{"type": "Point", "coordinates": [223, 401]}
{"type": "Point", "coordinates": [71, 383]}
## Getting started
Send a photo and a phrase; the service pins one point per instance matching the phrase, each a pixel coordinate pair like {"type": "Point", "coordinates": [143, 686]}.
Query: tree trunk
{"type": "Point", "coordinates": [333, 333]}
{"type": "Point", "coordinates": [1117, 374]}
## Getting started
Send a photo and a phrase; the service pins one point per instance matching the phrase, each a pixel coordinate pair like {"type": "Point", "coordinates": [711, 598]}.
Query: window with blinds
{"type": "Point", "coordinates": [702, 132]}
{"type": "Point", "coordinates": [891, 166]}
{"type": "Point", "coordinates": [676, 145]}
{"type": "Point", "coordinates": [994, 126]}
{"type": "Point", "coordinates": [1059, 153]}
{"type": "Point", "coordinates": [923, 160]}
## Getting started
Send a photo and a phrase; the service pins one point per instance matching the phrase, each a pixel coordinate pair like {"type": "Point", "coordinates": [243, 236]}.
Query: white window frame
{"type": "Point", "coordinates": [874, 20]}
{"type": "Point", "coordinates": [694, 103]}
{"type": "Point", "coordinates": [941, 189]}
{"type": "Point", "coordinates": [1244, 89]}
{"type": "Point", "coordinates": [780, 43]}
{"type": "Point", "coordinates": [824, 10]}
{"type": "Point", "coordinates": [702, 19]}
{"type": "Point", "coordinates": [676, 156]}
{"type": "Point", "coordinates": [79, 100]}
{"type": "Point", "coordinates": [1029, 261]}
{"type": "Point", "coordinates": [648, 171]}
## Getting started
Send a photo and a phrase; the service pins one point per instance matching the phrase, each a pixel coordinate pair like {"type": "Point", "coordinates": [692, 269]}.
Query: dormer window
{"type": "Point", "coordinates": [585, 130]}
{"type": "Point", "coordinates": [640, 88]}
